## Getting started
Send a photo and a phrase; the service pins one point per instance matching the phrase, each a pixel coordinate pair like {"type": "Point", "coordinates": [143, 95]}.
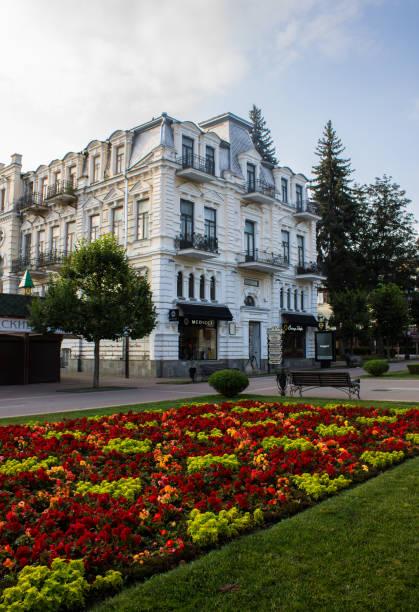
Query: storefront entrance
{"type": "Point", "coordinates": [197, 339]}
{"type": "Point", "coordinates": [254, 343]}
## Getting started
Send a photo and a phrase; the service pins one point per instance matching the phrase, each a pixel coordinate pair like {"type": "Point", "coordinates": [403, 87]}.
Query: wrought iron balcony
{"type": "Point", "coordinates": [61, 192]}
{"type": "Point", "coordinates": [264, 261]}
{"type": "Point", "coordinates": [31, 202]}
{"type": "Point", "coordinates": [50, 260]}
{"type": "Point", "coordinates": [307, 210]}
{"type": "Point", "coordinates": [310, 271]}
{"type": "Point", "coordinates": [259, 191]}
{"type": "Point", "coordinates": [197, 246]}
{"type": "Point", "coordinates": [197, 168]}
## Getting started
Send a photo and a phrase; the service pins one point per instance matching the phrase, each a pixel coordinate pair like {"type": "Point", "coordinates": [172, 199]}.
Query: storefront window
{"type": "Point", "coordinates": [294, 344]}
{"type": "Point", "coordinates": [197, 341]}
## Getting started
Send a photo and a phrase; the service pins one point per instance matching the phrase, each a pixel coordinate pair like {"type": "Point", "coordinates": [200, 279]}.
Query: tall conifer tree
{"type": "Point", "coordinates": [339, 225]}
{"type": "Point", "coordinates": [261, 136]}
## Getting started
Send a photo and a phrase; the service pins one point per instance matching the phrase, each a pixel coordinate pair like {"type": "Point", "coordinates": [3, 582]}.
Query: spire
{"type": "Point", "coordinates": [26, 283]}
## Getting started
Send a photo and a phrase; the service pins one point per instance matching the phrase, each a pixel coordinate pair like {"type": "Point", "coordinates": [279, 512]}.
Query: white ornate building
{"type": "Point", "coordinates": [227, 241]}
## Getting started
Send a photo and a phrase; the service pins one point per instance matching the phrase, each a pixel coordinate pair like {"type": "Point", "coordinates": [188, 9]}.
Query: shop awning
{"type": "Point", "coordinates": [222, 313]}
{"type": "Point", "coordinates": [303, 320]}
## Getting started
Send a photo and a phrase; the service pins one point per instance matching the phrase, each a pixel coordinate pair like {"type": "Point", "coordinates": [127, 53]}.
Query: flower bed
{"type": "Point", "coordinates": [136, 492]}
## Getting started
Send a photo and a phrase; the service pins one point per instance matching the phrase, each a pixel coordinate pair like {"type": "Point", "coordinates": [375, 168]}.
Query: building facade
{"type": "Point", "coordinates": [228, 241]}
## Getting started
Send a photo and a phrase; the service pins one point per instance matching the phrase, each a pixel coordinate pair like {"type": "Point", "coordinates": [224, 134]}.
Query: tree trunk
{"type": "Point", "coordinates": [96, 364]}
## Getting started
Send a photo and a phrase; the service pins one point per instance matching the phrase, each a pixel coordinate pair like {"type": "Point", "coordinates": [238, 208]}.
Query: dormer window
{"type": "Point", "coordinates": [210, 160]}
{"type": "Point", "coordinates": [96, 168]}
{"type": "Point", "coordinates": [284, 190]}
{"type": "Point", "coordinates": [251, 178]}
{"type": "Point", "coordinates": [187, 152]}
{"type": "Point", "coordinates": [119, 160]}
{"type": "Point", "coordinates": [299, 196]}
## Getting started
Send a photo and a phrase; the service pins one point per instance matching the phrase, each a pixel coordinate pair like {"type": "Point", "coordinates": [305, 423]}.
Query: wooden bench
{"type": "Point", "coordinates": [313, 379]}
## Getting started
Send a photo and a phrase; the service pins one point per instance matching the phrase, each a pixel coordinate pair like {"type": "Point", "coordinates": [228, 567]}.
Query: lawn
{"type": "Point", "coordinates": [135, 493]}
{"type": "Point", "coordinates": [394, 374]}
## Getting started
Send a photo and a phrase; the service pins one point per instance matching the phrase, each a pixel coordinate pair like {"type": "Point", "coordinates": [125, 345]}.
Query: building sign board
{"type": "Point", "coordinates": [325, 346]}
{"type": "Point", "coordinates": [275, 338]}
{"type": "Point", "coordinates": [192, 322]}
{"type": "Point", "coordinates": [10, 325]}
{"type": "Point", "coordinates": [292, 328]}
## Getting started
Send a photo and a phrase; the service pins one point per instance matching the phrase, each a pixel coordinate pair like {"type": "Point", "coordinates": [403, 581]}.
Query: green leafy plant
{"type": "Point", "coordinates": [318, 485]}
{"type": "Point", "coordinates": [376, 367]}
{"type": "Point", "coordinates": [206, 528]}
{"type": "Point", "coordinates": [287, 443]}
{"type": "Point", "coordinates": [328, 431]}
{"type": "Point", "coordinates": [381, 459]}
{"type": "Point", "coordinates": [125, 487]}
{"type": "Point", "coordinates": [229, 382]}
{"type": "Point", "coordinates": [196, 464]}
{"type": "Point", "coordinates": [128, 446]}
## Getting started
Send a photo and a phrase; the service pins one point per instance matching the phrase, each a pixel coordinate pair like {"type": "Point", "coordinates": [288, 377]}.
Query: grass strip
{"type": "Point", "coordinates": [394, 374]}
{"type": "Point", "coordinates": [355, 551]}
{"type": "Point", "coordinates": [173, 403]}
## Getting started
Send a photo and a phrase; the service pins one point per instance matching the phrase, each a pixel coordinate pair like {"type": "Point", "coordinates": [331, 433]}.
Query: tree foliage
{"type": "Point", "coordinates": [387, 240]}
{"type": "Point", "coordinates": [261, 136]}
{"type": "Point", "coordinates": [97, 295]}
{"type": "Point", "coordinates": [338, 228]}
{"type": "Point", "coordinates": [351, 314]}
{"type": "Point", "coordinates": [389, 312]}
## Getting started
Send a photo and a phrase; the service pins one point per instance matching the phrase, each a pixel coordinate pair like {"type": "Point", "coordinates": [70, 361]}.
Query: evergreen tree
{"type": "Point", "coordinates": [97, 295]}
{"type": "Point", "coordinates": [261, 136]}
{"type": "Point", "coordinates": [389, 312]}
{"type": "Point", "coordinates": [339, 225]}
{"type": "Point", "coordinates": [387, 241]}
{"type": "Point", "coordinates": [351, 315]}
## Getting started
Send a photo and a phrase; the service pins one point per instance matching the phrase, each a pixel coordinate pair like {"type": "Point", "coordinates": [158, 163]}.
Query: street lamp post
{"type": "Point", "coordinates": [407, 354]}
{"type": "Point", "coordinates": [126, 336]}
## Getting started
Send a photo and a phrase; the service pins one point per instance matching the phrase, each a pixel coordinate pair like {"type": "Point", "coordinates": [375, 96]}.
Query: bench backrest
{"type": "Point", "coordinates": [320, 378]}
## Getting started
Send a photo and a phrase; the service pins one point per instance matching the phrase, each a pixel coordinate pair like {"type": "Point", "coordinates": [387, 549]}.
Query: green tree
{"type": "Point", "coordinates": [387, 241]}
{"type": "Point", "coordinates": [338, 228]}
{"type": "Point", "coordinates": [96, 295]}
{"type": "Point", "coordinates": [261, 136]}
{"type": "Point", "coordinates": [389, 312]}
{"type": "Point", "coordinates": [414, 309]}
{"type": "Point", "coordinates": [351, 315]}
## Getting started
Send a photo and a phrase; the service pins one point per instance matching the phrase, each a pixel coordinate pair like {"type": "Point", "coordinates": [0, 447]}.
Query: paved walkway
{"type": "Point", "coordinates": [19, 400]}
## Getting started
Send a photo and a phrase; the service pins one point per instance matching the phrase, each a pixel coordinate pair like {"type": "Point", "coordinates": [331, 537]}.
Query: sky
{"type": "Point", "coordinates": [73, 72]}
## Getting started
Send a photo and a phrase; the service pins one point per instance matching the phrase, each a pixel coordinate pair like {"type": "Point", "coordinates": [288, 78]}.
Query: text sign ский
{"type": "Point", "coordinates": [9, 325]}
{"type": "Point", "coordinates": [275, 338]}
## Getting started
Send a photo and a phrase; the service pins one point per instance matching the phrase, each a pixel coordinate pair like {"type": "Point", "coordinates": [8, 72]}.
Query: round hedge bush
{"type": "Point", "coordinates": [376, 367]}
{"type": "Point", "coordinates": [413, 368]}
{"type": "Point", "coordinates": [228, 382]}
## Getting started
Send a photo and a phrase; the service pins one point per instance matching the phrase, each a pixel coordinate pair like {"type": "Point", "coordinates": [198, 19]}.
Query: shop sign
{"type": "Point", "coordinates": [292, 328]}
{"type": "Point", "coordinates": [198, 322]}
{"type": "Point", "coordinates": [275, 338]}
{"type": "Point", "coordinates": [8, 325]}
{"type": "Point", "coordinates": [325, 346]}
{"type": "Point", "coordinates": [321, 325]}
{"type": "Point", "coordinates": [174, 314]}
{"type": "Point", "coordinates": [252, 282]}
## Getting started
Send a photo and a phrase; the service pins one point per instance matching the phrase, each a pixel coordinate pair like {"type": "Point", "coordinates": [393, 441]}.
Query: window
{"type": "Point", "coordinates": [94, 227]}
{"type": "Point", "coordinates": [202, 287]}
{"type": "Point", "coordinates": [300, 248]}
{"type": "Point", "coordinates": [72, 176]}
{"type": "Point", "coordinates": [57, 178]}
{"type": "Point", "coordinates": [210, 160]}
{"type": "Point", "coordinates": [27, 240]}
{"type": "Point", "coordinates": [210, 227]}
{"type": "Point", "coordinates": [96, 168]}
{"type": "Point", "coordinates": [186, 219]}
{"type": "Point", "coordinates": [251, 177]}
{"type": "Point", "coordinates": [119, 160]}
{"type": "Point", "coordinates": [2, 199]}
{"type": "Point", "coordinates": [179, 284]}
{"type": "Point", "coordinates": [198, 341]}
{"type": "Point", "coordinates": [284, 190]}
{"type": "Point", "coordinates": [249, 238]}
{"type": "Point", "coordinates": [44, 187]}
{"type": "Point", "coordinates": [212, 288]}
{"type": "Point", "coordinates": [55, 238]}
{"type": "Point", "coordinates": [285, 240]}
{"type": "Point", "coordinates": [191, 286]}
{"type": "Point", "coordinates": [41, 243]}
{"type": "Point", "coordinates": [281, 298]}
{"type": "Point", "coordinates": [118, 224]}
{"type": "Point", "coordinates": [249, 301]}
{"type": "Point", "coordinates": [70, 239]}
{"type": "Point", "coordinates": [296, 300]}
{"type": "Point", "coordinates": [142, 220]}
{"type": "Point", "coordinates": [289, 299]}
{"type": "Point", "coordinates": [187, 152]}
{"type": "Point", "coordinates": [302, 300]}
{"type": "Point", "coordinates": [299, 196]}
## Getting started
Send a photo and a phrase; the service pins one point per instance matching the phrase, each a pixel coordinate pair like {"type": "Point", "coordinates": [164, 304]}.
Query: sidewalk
{"type": "Point", "coordinates": [19, 400]}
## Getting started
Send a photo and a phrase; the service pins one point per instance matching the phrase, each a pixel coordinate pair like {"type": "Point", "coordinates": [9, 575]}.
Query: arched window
{"type": "Point", "coordinates": [179, 284]}
{"type": "Point", "coordinates": [281, 298]}
{"type": "Point", "coordinates": [191, 286]}
{"type": "Point", "coordinates": [202, 287]}
{"type": "Point", "coordinates": [212, 288]}
{"type": "Point", "coordinates": [249, 301]}
{"type": "Point", "coordinates": [296, 300]}
{"type": "Point", "coordinates": [289, 299]}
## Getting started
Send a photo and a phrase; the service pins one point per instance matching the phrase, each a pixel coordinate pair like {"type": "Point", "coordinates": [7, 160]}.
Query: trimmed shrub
{"type": "Point", "coordinates": [228, 382]}
{"type": "Point", "coordinates": [376, 367]}
{"type": "Point", "coordinates": [413, 368]}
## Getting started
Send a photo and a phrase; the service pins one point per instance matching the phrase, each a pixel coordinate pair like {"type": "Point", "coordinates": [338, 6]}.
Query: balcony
{"type": "Point", "coordinates": [32, 203]}
{"type": "Point", "coordinates": [41, 264]}
{"type": "Point", "coordinates": [196, 168]}
{"type": "Point", "coordinates": [62, 192]}
{"type": "Point", "coordinates": [196, 246]}
{"type": "Point", "coordinates": [259, 191]}
{"type": "Point", "coordinates": [262, 261]}
{"type": "Point", "coordinates": [307, 211]}
{"type": "Point", "coordinates": [310, 272]}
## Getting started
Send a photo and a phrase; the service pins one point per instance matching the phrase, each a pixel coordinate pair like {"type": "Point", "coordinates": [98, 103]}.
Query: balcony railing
{"type": "Point", "coordinates": [307, 206]}
{"type": "Point", "coordinates": [47, 259]}
{"type": "Point", "coordinates": [60, 188]}
{"type": "Point", "coordinates": [203, 164]}
{"type": "Point", "coordinates": [310, 268]}
{"type": "Point", "coordinates": [263, 188]}
{"type": "Point", "coordinates": [196, 241]}
{"type": "Point", "coordinates": [264, 257]}
{"type": "Point", "coordinates": [29, 200]}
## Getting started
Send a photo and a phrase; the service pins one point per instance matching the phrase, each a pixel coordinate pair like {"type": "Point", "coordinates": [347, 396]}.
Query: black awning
{"type": "Point", "coordinates": [222, 313]}
{"type": "Point", "coordinates": [303, 320]}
